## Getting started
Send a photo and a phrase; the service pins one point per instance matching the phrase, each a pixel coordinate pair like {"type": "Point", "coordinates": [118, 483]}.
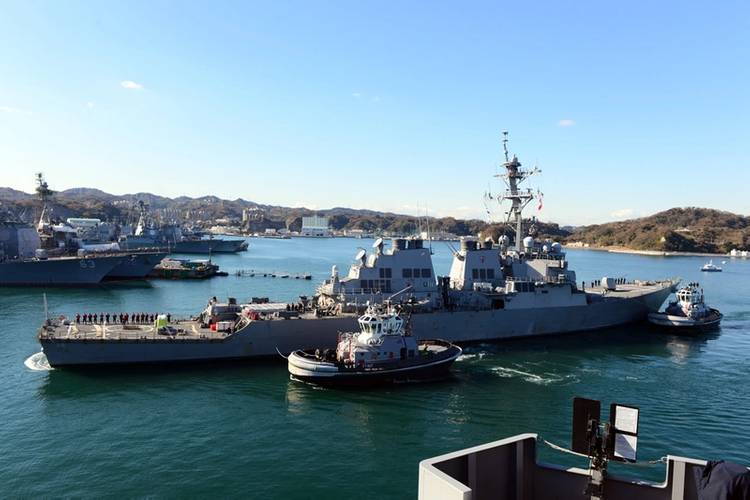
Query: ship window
{"type": "Point", "coordinates": [387, 286]}
{"type": "Point", "coordinates": [363, 284]}
{"type": "Point", "coordinates": [475, 274]}
{"type": "Point", "coordinates": [411, 353]}
{"type": "Point", "coordinates": [382, 272]}
{"type": "Point", "coordinates": [483, 274]}
{"type": "Point", "coordinates": [416, 273]}
{"type": "Point", "coordinates": [532, 287]}
{"type": "Point", "coordinates": [426, 273]}
{"type": "Point", "coordinates": [403, 353]}
{"type": "Point", "coordinates": [490, 274]}
{"type": "Point", "coordinates": [382, 285]}
{"type": "Point", "coordinates": [407, 273]}
{"type": "Point", "coordinates": [388, 273]}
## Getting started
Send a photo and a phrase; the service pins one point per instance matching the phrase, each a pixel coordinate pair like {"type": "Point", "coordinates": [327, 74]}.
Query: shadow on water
{"type": "Point", "coordinates": [83, 382]}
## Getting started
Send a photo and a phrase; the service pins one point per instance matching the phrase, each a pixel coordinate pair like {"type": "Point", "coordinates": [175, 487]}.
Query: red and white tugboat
{"type": "Point", "coordinates": [688, 312]}
{"type": "Point", "coordinates": [382, 352]}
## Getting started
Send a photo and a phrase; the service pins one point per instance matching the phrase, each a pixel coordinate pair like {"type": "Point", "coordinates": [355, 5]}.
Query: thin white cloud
{"type": "Point", "coordinates": [131, 85]}
{"type": "Point", "coordinates": [566, 123]}
{"type": "Point", "coordinates": [622, 213]}
{"type": "Point", "coordinates": [11, 109]}
{"type": "Point", "coordinates": [90, 105]}
{"type": "Point", "coordinates": [356, 95]}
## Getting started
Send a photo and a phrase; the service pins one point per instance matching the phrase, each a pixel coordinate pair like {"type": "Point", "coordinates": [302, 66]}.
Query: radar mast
{"type": "Point", "coordinates": [44, 193]}
{"type": "Point", "coordinates": [513, 176]}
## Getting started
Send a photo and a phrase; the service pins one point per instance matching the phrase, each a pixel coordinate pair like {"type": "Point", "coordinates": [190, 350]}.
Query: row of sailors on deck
{"type": "Point", "coordinates": [122, 318]}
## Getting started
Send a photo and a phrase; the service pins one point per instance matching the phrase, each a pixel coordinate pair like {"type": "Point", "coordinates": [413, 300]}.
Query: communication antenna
{"type": "Point", "coordinates": [44, 193]}
{"type": "Point", "coordinates": [361, 255]}
{"type": "Point", "coordinates": [505, 145]}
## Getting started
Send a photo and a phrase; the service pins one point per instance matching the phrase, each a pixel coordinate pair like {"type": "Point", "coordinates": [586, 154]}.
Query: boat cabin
{"type": "Point", "coordinates": [381, 340]}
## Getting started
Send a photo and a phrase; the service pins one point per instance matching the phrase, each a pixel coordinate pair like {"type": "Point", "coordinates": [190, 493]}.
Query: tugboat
{"type": "Point", "coordinates": [382, 352]}
{"type": "Point", "coordinates": [688, 312]}
{"type": "Point", "coordinates": [710, 267]}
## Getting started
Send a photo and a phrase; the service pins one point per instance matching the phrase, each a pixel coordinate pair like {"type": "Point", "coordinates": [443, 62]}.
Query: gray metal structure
{"type": "Point", "coordinates": [508, 468]}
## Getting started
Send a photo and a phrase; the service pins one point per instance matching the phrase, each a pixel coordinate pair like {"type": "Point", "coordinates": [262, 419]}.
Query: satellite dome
{"type": "Point", "coordinates": [528, 242]}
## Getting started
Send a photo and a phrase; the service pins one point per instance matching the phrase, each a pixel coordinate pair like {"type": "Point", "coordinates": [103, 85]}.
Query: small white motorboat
{"type": "Point", "coordinates": [688, 312]}
{"type": "Point", "coordinates": [382, 352]}
{"type": "Point", "coordinates": [710, 267]}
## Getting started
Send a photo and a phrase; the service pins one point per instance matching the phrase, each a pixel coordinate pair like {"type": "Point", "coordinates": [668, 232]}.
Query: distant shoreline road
{"type": "Point", "coordinates": [654, 253]}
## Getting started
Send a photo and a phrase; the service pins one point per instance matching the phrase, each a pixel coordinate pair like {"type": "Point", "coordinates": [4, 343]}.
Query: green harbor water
{"type": "Point", "coordinates": [248, 431]}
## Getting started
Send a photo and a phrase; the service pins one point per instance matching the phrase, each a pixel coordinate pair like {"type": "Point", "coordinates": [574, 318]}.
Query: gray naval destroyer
{"type": "Point", "coordinates": [495, 291]}
{"type": "Point", "coordinates": [24, 263]}
{"type": "Point", "coordinates": [149, 235]}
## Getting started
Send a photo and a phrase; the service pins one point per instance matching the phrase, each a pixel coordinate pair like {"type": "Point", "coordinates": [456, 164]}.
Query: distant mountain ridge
{"type": "Point", "coordinates": [688, 229]}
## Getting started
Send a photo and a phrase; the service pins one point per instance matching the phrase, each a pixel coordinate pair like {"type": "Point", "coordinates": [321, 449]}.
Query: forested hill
{"type": "Point", "coordinates": [89, 202]}
{"type": "Point", "coordinates": [688, 229]}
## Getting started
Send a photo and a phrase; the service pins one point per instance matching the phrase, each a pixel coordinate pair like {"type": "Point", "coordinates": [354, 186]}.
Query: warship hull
{"type": "Point", "coordinates": [268, 338]}
{"type": "Point", "coordinates": [203, 247]}
{"type": "Point", "coordinates": [136, 266]}
{"type": "Point", "coordinates": [209, 246]}
{"type": "Point", "coordinates": [62, 271]}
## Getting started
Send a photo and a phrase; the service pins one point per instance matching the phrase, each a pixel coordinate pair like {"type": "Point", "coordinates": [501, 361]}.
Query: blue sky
{"type": "Point", "coordinates": [628, 107]}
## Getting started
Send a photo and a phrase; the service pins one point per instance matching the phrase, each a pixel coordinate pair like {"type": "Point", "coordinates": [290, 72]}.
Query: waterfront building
{"type": "Point", "coordinates": [316, 226]}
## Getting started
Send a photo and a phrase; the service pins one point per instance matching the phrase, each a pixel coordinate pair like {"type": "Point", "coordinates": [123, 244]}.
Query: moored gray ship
{"type": "Point", "coordinates": [495, 291]}
{"type": "Point", "coordinates": [24, 263]}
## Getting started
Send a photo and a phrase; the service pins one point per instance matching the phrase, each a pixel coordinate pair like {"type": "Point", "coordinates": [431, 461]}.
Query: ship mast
{"type": "Point", "coordinates": [513, 177]}
{"type": "Point", "coordinates": [44, 193]}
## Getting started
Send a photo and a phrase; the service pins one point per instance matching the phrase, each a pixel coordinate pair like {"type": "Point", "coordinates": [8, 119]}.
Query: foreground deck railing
{"type": "Point", "coordinates": [508, 469]}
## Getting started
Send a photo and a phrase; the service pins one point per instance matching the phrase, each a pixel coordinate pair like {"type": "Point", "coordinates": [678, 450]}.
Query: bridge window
{"type": "Point", "coordinates": [385, 272]}
{"type": "Point", "coordinates": [407, 273]}
{"type": "Point", "coordinates": [490, 274]}
{"type": "Point", "coordinates": [427, 273]}
{"type": "Point", "coordinates": [363, 284]}
{"type": "Point", "coordinates": [416, 273]}
{"type": "Point", "coordinates": [483, 274]}
{"type": "Point", "coordinates": [475, 274]}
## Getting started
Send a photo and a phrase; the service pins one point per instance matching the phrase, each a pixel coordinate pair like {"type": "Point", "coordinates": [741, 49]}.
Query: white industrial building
{"type": "Point", "coordinates": [316, 226]}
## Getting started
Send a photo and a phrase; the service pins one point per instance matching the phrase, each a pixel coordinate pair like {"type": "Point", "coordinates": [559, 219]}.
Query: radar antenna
{"type": "Point", "coordinates": [513, 176]}
{"type": "Point", "coordinates": [505, 145]}
{"type": "Point", "coordinates": [44, 193]}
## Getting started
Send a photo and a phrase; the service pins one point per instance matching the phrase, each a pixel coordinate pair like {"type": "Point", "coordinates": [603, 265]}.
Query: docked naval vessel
{"type": "Point", "coordinates": [149, 235]}
{"type": "Point", "coordinates": [495, 291]}
{"type": "Point", "coordinates": [24, 262]}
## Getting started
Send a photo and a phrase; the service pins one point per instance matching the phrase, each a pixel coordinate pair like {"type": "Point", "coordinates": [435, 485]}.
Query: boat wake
{"type": "Point", "coordinates": [470, 356]}
{"type": "Point", "coordinates": [543, 379]}
{"type": "Point", "coordinates": [38, 362]}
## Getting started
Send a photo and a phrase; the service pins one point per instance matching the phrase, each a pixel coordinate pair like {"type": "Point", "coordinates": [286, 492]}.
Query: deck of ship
{"type": "Point", "coordinates": [185, 330]}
